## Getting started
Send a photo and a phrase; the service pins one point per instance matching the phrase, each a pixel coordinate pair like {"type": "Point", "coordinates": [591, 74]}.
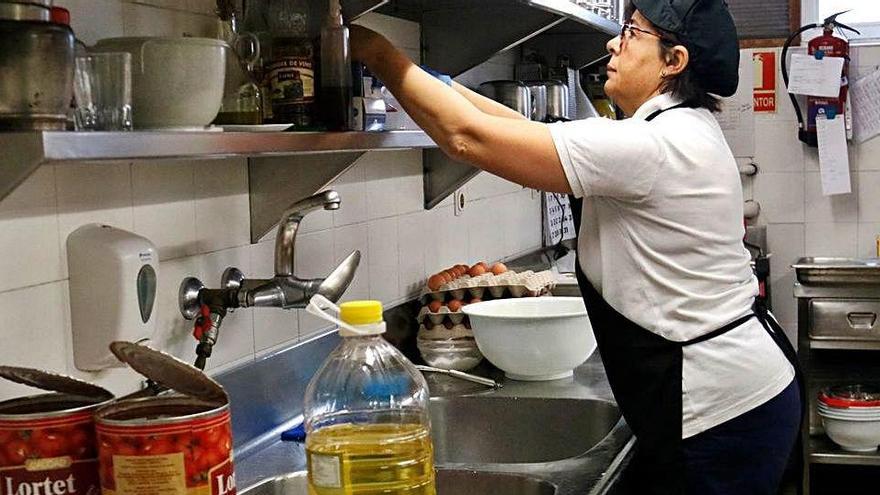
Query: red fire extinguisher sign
{"type": "Point", "coordinates": [765, 82]}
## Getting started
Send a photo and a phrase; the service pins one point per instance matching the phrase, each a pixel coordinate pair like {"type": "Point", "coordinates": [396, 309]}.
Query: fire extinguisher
{"type": "Point", "coordinates": [826, 45]}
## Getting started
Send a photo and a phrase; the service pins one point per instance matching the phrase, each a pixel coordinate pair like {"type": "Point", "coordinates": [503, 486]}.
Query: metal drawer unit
{"type": "Point", "coordinates": [844, 319]}
{"type": "Point", "coordinates": [838, 339]}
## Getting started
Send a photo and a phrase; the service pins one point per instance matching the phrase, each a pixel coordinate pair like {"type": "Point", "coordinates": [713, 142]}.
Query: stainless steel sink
{"type": "Point", "coordinates": [449, 482]}
{"type": "Point", "coordinates": [510, 430]}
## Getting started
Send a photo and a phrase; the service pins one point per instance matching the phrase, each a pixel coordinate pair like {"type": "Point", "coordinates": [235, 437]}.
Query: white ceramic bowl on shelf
{"type": "Point", "coordinates": [854, 434]}
{"type": "Point", "coordinates": [533, 338]}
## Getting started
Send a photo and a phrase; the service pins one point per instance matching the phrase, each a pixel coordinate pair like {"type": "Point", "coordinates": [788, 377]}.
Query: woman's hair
{"type": "Point", "coordinates": [685, 86]}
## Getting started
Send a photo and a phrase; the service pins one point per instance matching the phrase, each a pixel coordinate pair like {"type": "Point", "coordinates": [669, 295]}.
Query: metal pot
{"type": "Point", "coordinates": [512, 94]}
{"type": "Point", "coordinates": [37, 64]}
{"type": "Point", "coordinates": [16, 11]}
{"type": "Point", "coordinates": [41, 3]}
{"type": "Point", "coordinates": [557, 101]}
{"type": "Point", "coordinates": [539, 100]}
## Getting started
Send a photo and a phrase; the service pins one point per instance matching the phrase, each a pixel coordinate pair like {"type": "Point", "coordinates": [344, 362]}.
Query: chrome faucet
{"type": "Point", "coordinates": [284, 290]}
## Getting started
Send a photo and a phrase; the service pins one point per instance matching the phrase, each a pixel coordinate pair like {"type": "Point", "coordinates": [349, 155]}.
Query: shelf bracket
{"type": "Point", "coordinates": [25, 154]}
{"type": "Point", "coordinates": [442, 176]}
{"type": "Point", "coordinates": [276, 182]}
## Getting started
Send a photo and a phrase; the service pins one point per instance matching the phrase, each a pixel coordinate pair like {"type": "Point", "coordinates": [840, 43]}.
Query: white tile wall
{"type": "Point", "coordinates": [165, 208]}
{"type": "Point", "coordinates": [384, 264]}
{"type": "Point", "coordinates": [28, 218]}
{"type": "Point", "coordinates": [781, 196]}
{"type": "Point", "coordinates": [197, 213]}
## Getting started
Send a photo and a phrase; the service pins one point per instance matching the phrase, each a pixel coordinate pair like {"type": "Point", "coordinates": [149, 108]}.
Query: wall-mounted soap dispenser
{"type": "Point", "coordinates": [113, 280]}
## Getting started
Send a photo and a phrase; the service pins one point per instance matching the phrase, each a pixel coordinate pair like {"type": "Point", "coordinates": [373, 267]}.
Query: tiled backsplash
{"type": "Point", "coordinates": [801, 221]}
{"type": "Point", "coordinates": [197, 215]}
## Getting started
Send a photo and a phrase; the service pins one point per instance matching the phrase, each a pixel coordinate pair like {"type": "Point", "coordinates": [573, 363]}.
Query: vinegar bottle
{"type": "Point", "coordinates": [336, 86]}
{"type": "Point", "coordinates": [366, 412]}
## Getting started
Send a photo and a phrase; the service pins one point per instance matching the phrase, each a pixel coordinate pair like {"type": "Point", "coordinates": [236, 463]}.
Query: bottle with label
{"type": "Point", "coordinates": [290, 75]}
{"type": "Point", "coordinates": [366, 412]}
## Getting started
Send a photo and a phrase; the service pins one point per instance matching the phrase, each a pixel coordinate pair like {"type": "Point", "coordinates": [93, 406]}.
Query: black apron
{"type": "Point", "coordinates": [644, 371]}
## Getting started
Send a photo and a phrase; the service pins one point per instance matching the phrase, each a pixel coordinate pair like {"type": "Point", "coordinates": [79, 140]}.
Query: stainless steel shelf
{"type": "Point", "coordinates": [824, 451]}
{"type": "Point", "coordinates": [853, 345]}
{"type": "Point", "coordinates": [32, 149]}
{"type": "Point", "coordinates": [94, 146]}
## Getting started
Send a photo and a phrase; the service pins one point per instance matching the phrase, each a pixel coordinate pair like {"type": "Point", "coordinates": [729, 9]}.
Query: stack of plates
{"type": "Point", "coordinates": [851, 416]}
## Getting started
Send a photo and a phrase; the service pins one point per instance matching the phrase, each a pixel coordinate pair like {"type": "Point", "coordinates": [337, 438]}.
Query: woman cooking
{"type": "Point", "coordinates": [704, 376]}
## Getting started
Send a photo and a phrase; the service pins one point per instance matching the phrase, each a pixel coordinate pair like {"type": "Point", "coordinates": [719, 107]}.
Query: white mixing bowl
{"type": "Point", "coordinates": [857, 435]}
{"type": "Point", "coordinates": [533, 338]}
{"type": "Point", "coordinates": [177, 83]}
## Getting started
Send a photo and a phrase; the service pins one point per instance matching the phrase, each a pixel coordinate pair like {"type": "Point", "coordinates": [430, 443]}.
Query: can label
{"type": "Point", "coordinates": [56, 456]}
{"type": "Point", "coordinates": [190, 458]}
{"type": "Point", "coordinates": [292, 80]}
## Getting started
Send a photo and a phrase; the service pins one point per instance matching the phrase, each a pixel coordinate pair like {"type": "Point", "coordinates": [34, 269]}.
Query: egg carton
{"type": "Point", "coordinates": [440, 332]}
{"type": "Point", "coordinates": [527, 283]}
{"type": "Point", "coordinates": [444, 314]}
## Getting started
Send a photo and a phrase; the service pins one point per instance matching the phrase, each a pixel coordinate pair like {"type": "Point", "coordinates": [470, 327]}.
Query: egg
{"type": "Point", "coordinates": [445, 277]}
{"type": "Point", "coordinates": [477, 270]}
{"type": "Point", "coordinates": [434, 306]}
{"type": "Point", "coordinates": [484, 265]}
{"type": "Point", "coordinates": [498, 268]}
{"type": "Point", "coordinates": [450, 274]}
{"type": "Point", "coordinates": [435, 281]}
{"type": "Point", "coordinates": [454, 305]}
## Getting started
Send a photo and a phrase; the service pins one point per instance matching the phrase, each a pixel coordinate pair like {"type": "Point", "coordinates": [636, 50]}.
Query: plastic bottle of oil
{"type": "Point", "coordinates": [366, 412]}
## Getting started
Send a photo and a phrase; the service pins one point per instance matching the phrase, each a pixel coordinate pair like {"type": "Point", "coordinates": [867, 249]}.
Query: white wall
{"type": "Point", "coordinates": [801, 221]}
{"type": "Point", "coordinates": [197, 214]}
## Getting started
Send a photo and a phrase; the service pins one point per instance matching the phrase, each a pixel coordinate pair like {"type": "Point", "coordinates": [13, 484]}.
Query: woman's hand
{"type": "Point", "coordinates": [366, 44]}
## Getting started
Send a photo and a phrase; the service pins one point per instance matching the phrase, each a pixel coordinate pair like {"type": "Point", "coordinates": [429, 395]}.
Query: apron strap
{"type": "Point", "coordinates": [715, 333]}
{"type": "Point", "coordinates": [658, 112]}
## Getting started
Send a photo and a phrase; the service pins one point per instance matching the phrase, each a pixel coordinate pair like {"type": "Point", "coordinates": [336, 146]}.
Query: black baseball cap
{"type": "Point", "coordinates": [707, 30]}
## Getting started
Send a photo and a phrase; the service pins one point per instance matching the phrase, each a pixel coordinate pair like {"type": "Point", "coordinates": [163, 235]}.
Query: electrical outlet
{"type": "Point", "coordinates": [459, 200]}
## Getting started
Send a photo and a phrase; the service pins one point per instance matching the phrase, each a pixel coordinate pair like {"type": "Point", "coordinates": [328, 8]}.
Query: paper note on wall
{"type": "Point", "coordinates": [833, 156]}
{"type": "Point", "coordinates": [865, 94]}
{"type": "Point", "coordinates": [815, 77]}
{"type": "Point", "coordinates": [558, 219]}
{"type": "Point", "coordinates": [737, 117]}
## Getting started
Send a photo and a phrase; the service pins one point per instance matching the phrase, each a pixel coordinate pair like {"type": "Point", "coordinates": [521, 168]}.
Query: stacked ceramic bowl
{"type": "Point", "coordinates": [851, 416]}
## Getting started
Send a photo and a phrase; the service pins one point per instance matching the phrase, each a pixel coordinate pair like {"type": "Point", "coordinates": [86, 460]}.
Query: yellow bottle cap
{"type": "Point", "coordinates": [361, 312]}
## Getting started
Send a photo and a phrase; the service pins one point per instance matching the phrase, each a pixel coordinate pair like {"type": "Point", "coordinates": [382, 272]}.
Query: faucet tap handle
{"type": "Point", "coordinates": [340, 278]}
{"type": "Point", "coordinates": [232, 278]}
{"type": "Point", "coordinates": [188, 297]}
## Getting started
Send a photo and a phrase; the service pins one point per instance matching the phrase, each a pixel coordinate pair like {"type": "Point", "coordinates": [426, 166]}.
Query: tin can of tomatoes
{"type": "Point", "coordinates": [47, 442]}
{"type": "Point", "coordinates": [173, 444]}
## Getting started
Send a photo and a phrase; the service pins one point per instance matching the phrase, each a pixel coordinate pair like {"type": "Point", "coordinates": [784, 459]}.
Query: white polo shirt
{"type": "Point", "coordinates": [661, 239]}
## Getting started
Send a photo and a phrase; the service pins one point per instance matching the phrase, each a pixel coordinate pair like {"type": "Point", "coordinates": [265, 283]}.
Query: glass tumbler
{"type": "Point", "coordinates": [102, 89]}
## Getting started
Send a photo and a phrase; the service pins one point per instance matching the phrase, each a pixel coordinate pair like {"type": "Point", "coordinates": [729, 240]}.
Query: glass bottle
{"type": "Point", "coordinates": [366, 412]}
{"type": "Point", "coordinates": [336, 85]}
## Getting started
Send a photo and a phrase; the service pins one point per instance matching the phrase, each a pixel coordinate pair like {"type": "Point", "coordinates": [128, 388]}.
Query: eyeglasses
{"type": "Point", "coordinates": [627, 30]}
